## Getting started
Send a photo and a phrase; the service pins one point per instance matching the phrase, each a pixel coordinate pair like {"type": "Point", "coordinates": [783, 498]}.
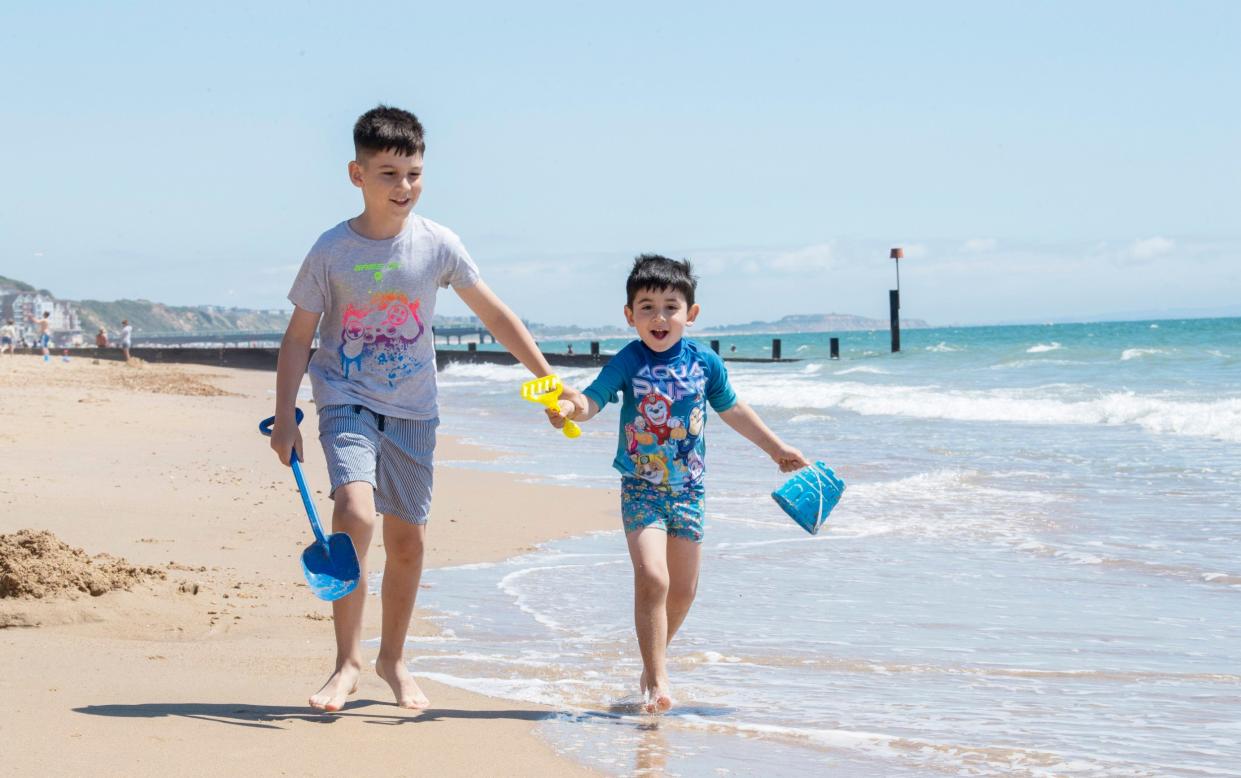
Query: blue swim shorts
{"type": "Point", "coordinates": [392, 455]}
{"type": "Point", "coordinates": [679, 513]}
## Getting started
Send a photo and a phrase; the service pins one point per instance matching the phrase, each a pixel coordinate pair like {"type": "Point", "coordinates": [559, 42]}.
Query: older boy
{"type": "Point", "coordinates": [666, 383]}
{"type": "Point", "coordinates": [368, 285]}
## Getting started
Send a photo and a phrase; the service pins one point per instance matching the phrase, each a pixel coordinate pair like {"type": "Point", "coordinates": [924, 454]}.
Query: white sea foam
{"type": "Point", "coordinates": [478, 374]}
{"type": "Point", "coordinates": [1219, 419]}
{"type": "Point", "coordinates": [508, 585]}
{"type": "Point", "coordinates": [1042, 348]}
{"type": "Point", "coordinates": [936, 756]}
{"type": "Point", "coordinates": [862, 369]}
{"type": "Point", "coordinates": [1042, 362]}
{"type": "Point", "coordinates": [942, 347]}
{"type": "Point", "coordinates": [1136, 353]}
{"type": "Point", "coordinates": [803, 418]}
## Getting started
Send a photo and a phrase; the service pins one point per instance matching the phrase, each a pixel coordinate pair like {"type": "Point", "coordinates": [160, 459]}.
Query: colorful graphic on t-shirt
{"type": "Point", "coordinates": [663, 438]}
{"type": "Point", "coordinates": [379, 337]}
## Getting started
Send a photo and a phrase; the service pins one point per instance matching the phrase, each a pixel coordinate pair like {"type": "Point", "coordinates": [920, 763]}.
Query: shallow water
{"type": "Point", "coordinates": [1034, 570]}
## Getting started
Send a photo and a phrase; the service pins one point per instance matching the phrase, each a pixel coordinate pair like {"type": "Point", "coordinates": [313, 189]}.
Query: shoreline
{"type": "Point", "coordinates": [160, 679]}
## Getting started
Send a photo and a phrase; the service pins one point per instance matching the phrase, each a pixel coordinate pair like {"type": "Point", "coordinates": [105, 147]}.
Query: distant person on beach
{"type": "Point", "coordinates": [126, 338]}
{"type": "Point", "coordinates": [368, 286]}
{"type": "Point", "coordinates": [45, 335]}
{"type": "Point", "coordinates": [569, 351]}
{"type": "Point", "coordinates": [101, 338]}
{"type": "Point", "coordinates": [8, 337]}
{"type": "Point", "coordinates": [665, 384]}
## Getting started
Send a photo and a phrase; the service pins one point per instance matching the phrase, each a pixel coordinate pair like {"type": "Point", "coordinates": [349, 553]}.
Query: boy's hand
{"type": "Point", "coordinates": [575, 397]}
{"type": "Point", "coordinates": [286, 438]}
{"type": "Point", "coordinates": [574, 407]}
{"type": "Point", "coordinates": [564, 410]}
{"type": "Point", "coordinates": [788, 458]}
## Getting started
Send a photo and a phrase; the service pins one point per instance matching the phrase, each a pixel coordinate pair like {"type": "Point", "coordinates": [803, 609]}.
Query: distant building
{"type": "Point", "coordinates": [26, 308]}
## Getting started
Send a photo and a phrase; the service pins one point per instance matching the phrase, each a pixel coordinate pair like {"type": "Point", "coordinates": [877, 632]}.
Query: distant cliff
{"type": "Point", "coordinates": [148, 317]}
{"type": "Point", "coordinates": [814, 322]}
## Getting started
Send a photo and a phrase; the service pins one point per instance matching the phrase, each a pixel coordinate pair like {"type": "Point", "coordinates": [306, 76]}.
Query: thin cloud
{"type": "Point", "coordinates": [1149, 248]}
{"type": "Point", "coordinates": [981, 244]}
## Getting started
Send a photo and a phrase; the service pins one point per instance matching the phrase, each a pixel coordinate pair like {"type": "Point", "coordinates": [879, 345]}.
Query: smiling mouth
{"type": "Point", "coordinates": [659, 334]}
{"type": "Point", "coordinates": [400, 202]}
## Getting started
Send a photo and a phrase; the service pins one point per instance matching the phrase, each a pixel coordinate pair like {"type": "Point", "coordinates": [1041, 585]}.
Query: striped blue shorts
{"type": "Point", "coordinates": [392, 455]}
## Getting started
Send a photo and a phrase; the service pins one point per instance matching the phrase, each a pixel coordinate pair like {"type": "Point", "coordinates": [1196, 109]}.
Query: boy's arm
{"type": "Point", "coordinates": [570, 410]}
{"type": "Point", "coordinates": [290, 367]}
{"type": "Point", "coordinates": [744, 420]}
{"type": "Point", "coordinates": [501, 322]}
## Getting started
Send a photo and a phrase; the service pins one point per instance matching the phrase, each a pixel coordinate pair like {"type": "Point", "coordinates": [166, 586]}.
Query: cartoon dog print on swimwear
{"type": "Point", "coordinates": [656, 412]}
{"type": "Point", "coordinates": [379, 336]}
{"type": "Point", "coordinates": [651, 467]}
{"type": "Point", "coordinates": [687, 446]}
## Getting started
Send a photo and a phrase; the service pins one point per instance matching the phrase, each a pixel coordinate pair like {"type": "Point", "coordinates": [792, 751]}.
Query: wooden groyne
{"type": "Point", "coordinates": [265, 358]}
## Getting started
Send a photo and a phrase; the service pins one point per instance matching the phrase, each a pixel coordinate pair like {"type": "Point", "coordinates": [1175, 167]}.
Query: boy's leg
{"type": "Point", "coordinates": [648, 553]}
{"type": "Point", "coordinates": [404, 544]}
{"type": "Point", "coordinates": [684, 559]}
{"type": "Point", "coordinates": [354, 514]}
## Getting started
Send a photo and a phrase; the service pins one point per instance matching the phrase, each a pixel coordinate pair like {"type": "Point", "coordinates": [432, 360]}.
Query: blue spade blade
{"type": "Point", "coordinates": [330, 564]}
{"type": "Point", "coordinates": [331, 568]}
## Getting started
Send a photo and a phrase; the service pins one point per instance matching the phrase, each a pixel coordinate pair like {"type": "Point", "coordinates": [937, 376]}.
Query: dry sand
{"type": "Point", "coordinates": [200, 655]}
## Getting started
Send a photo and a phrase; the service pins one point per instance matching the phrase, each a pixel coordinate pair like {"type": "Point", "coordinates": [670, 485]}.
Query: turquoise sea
{"type": "Point", "coordinates": [1035, 569]}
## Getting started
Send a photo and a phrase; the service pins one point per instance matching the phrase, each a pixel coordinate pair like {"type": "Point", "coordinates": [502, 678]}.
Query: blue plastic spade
{"type": "Point", "coordinates": [331, 562]}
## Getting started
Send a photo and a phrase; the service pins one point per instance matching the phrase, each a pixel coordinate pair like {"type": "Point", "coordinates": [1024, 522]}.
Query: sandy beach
{"type": "Point", "coordinates": [203, 666]}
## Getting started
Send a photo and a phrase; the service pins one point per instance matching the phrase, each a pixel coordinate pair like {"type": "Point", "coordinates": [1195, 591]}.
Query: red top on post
{"type": "Point", "coordinates": [896, 254]}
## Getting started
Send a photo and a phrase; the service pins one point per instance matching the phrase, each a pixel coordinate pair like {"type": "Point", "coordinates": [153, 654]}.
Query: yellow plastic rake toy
{"type": "Point", "coordinates": [546, 391]}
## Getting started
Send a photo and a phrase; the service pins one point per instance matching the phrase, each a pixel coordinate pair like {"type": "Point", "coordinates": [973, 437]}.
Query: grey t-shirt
{"type": "Point", "coordinates": [377, 298]}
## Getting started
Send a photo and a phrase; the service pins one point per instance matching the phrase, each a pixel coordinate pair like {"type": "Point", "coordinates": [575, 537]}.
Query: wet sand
{"type": "Point", "coordinates": [206, 670]}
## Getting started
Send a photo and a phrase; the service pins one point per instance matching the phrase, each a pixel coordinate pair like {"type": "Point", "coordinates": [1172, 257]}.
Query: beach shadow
{"type": "Point", "coordinates": [270, 716]}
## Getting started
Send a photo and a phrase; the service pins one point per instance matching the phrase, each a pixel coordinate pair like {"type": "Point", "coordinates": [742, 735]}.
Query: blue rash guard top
{"type": "Point", "coordinates": [663, 409]}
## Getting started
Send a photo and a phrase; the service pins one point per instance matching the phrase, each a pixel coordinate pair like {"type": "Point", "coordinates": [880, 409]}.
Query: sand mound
{"type": "Point", "coordinates": [143, 377]}
{"type": "Point", "coordinates": [37, 564]}
{"type": "Point", "coordinates": [135, 375]}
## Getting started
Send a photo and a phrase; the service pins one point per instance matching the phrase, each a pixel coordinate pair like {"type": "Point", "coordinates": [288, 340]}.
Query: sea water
{"type": "Point", "coordinates": [1034, 571]}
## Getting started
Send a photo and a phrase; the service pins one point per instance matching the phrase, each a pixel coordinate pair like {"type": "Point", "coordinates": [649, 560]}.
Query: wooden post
{"type": "Point", "coordinates": [594, 348]}
{"type": "Point", "coordinates": [715, 346]}
{"type": "Point", "coordinates": [835, 348]}
{"type": "Point", "coordinates": [775, 348]}
{"type": "Point", "coordinates": [894, 307]}
{"type": "Point", "coordinates": [472, 347]}
{"type": "Point", "coordinates": [894, 299]}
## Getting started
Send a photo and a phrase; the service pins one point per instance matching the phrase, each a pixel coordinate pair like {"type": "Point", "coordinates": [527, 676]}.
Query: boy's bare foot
{"type": "Point", "coordinates": [343, 683]}
{"type": "Point", "coordinates": [404, 687]}
{"type": "Point", "coordinates": [656, 697]}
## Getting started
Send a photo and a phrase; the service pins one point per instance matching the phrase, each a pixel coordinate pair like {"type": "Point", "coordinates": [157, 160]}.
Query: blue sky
{"type": "Point", "coordinates": [1038, 161]}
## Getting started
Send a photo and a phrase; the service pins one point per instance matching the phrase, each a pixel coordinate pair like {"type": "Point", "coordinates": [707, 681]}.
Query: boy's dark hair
{"type": "Point", "coordinates": [652, 271]}
{"type": "Point", "coordinates": [384, 128]}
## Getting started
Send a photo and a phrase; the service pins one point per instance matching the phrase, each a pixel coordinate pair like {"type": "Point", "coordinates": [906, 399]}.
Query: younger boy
{"type": "Point", "coordinates": [368, 285]}
{"type": "Point", "coordinates": [666, 382]}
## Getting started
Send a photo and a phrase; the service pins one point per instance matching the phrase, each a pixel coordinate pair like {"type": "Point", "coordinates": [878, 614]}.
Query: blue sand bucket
{"type": "Point", "coordinates": [810, 495]}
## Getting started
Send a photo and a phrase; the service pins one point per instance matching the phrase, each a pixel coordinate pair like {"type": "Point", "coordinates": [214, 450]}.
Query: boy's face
{"type": "Point", "coordinates": [660, 316]}
{"type": "Point", "coordinates": [390, 182]}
